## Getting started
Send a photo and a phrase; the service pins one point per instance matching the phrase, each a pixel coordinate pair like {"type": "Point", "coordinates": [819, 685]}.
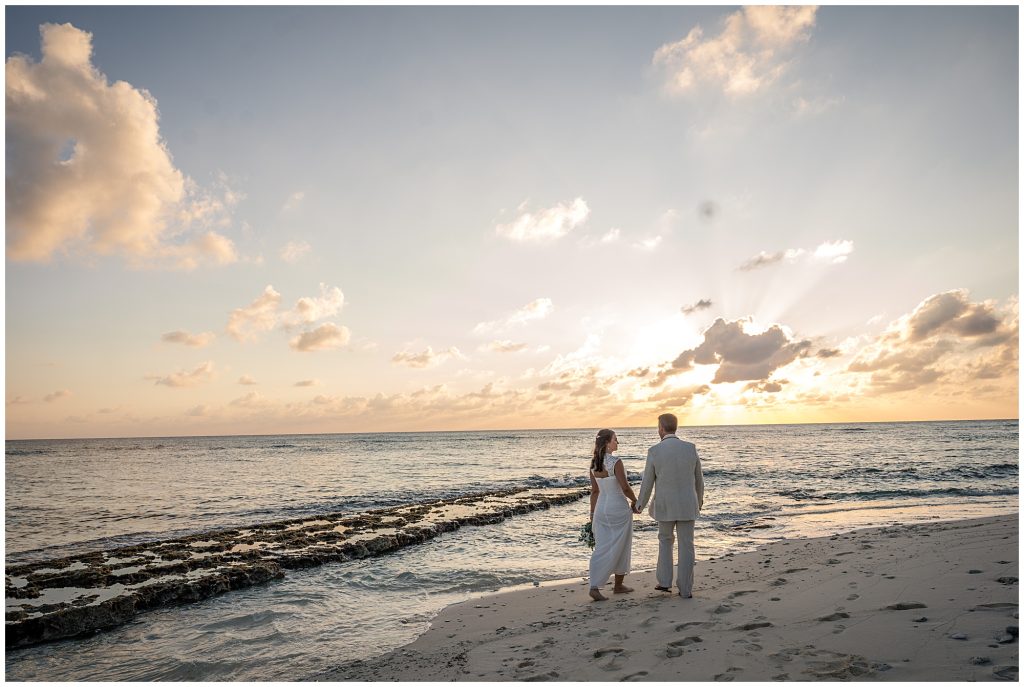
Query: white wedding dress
{"type": "Point", "coordinates": [613, 528]}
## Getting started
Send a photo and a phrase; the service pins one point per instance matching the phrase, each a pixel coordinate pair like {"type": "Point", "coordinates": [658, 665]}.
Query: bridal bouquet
{"type": "Point", "coordinates": [587, 534]}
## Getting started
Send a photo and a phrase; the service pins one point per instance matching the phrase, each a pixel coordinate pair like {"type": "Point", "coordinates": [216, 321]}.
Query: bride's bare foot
{"type": "Point", "coordinates": [622, 589]}
{"type": "Point", "coordinates": [596, 595]}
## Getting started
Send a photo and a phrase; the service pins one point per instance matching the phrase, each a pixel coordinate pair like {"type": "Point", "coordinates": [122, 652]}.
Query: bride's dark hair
{"type": "Point", "coordinates": [604, 437]}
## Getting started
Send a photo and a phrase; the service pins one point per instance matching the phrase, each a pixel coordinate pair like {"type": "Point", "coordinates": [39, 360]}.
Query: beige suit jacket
{"type": "Point", "coordinates": [673, 465]}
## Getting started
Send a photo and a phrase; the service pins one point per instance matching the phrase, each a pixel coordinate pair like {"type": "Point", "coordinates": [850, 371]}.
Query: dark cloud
{"type": "Point", "coordinates": [952, 312]}
{"type": "Point", "coordinates": [741, 356]}
{"type": "Point", "coordinates": [765, 387]}
{"type": "Point", "coordinates": [828, 353]}
{"type": "Point", "coordinates": [939, 342]}
{"type": "Point", "coordinates": [702, 304]}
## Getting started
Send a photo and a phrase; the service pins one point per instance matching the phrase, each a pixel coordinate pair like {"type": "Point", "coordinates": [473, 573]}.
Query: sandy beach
{"type": "Point", "coordinates": [935, 601]}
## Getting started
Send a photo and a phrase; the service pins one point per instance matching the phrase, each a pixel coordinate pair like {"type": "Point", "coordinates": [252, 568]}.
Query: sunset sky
{"type": "Point", "coordinates": [262, 220]}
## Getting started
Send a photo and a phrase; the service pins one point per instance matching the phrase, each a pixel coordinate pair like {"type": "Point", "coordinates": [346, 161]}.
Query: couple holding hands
{"type": "Point", "coordinates": [672, 465]}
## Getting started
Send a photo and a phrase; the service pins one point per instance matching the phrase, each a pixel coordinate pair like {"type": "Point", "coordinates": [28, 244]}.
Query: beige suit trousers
{"type": "Point", "coordinates": [666, 537]}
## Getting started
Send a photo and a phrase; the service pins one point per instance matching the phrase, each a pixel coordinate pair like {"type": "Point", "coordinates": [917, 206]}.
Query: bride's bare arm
{"type": "Point", "coordinates": [594, 489]}
{"type": "Point", "coordinates": [620, 475]}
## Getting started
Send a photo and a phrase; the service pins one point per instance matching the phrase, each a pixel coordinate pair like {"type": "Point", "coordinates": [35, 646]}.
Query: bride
{"type": "Point", "coordinates": [611, 516]}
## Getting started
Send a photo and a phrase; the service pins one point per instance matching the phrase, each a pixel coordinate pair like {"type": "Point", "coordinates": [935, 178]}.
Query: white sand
{"type": "Point", "coordinates": [804, 609]}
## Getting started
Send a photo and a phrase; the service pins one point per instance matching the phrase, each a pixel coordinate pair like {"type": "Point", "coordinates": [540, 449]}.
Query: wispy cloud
{"type": "Point", "coordinates": [747, 56]}
{"type": "Point", "coordinates": [247, 380]}
{"type": "Point", "coordinates": [192, 340]}
{"type": "Point", "coordinates": [534, 310]}
{"type": "Point", "coordinates": [649, 243]}
{"type": "Point", "coordinates": [611, 236]}
{"type": "Point", "coordinates": [545, 225]}
{"type": "Point", "coordinates": [504, 346]}
{"type": "Point", "coordinates": [832, 252]}
{"type": "Point", "coordinates": [97, 179]}
{"type": "Point", "coordinates": [426, 358]}
{"type": "Point", "coordinates": [183, 378]}
{"type": "Point", "coordinates": [308, 382]}
{"type": "Point", "coordinates": [294, 251]}
{"type": "Point", "coordinates": [57, 395]}
{"type": "Point", "coordinates": [702, 304]}
{"type": "Point", "coordinates": [294, 200]}
{"type": "Point", "coordinates": [325, 337]}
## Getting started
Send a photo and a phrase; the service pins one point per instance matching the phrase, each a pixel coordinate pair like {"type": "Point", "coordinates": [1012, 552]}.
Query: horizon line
{"type": "Point", "coordinates": [522, 429]}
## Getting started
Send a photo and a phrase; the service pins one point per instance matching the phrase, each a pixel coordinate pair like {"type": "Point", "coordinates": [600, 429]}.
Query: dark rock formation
{"type": "Point", "coordinates": [76, 595]}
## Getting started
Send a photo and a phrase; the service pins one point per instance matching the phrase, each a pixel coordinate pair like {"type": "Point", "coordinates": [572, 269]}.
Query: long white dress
{"type": "Point", "coordinates": [613, 528]}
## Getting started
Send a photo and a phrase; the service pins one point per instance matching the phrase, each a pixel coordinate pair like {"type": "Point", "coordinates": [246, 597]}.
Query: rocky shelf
{"type": "Point", "coordinates": [77, 595]}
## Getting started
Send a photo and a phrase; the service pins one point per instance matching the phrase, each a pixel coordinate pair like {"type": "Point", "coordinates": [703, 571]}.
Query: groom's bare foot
{"type": "Point", "coordinates": [596, 595]}
{"type": "Point", "coordinates": [622, 589]}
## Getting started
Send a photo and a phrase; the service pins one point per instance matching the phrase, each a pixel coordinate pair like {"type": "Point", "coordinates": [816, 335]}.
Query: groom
{"type": "Point", "coordinates": [673, 464]}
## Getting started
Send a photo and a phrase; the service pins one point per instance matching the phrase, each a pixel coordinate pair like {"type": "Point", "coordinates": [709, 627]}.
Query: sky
{"type": "Point", "coordinates": [253, 220]}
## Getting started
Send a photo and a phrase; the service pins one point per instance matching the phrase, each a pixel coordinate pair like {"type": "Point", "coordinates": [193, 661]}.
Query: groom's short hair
{"type": "Point", "coordinates": [668, 422]}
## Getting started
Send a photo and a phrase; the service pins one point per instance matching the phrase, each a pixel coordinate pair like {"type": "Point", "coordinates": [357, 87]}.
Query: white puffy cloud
{"type": "Point", "coordinates": [57, 395]}
{"type": "Point", "coordinates": [247, 380]}
{"type": "Point", "coordinates": [88, 172]}
{"type": "Point", "coordinates": [183, 378]}
{"type": "Point", "coordinates": [193, 340]}
{"type": "Point", "coordinates": [309, 309]}
{"type": "Point", "coordinates": [264, 314]}
{"type": "Point", "coordinates": [426, 358]}
{"type": "Point", "coordinates": [545, 225]}
{"type": "Point", "coordinates": [534, 310]}
{"type": "Point", "coordinates": [245, 324]}
{"type": "Point", "coordinates": [611, 236]}
{"type": "Point", "coordinates": [325, 337]}
{"type": "Point", "coordinates": [747, 56]}
{"type": "Point", "coordinates": [293, 251]}
{"type": "Point", "coordinates": [834, 252]}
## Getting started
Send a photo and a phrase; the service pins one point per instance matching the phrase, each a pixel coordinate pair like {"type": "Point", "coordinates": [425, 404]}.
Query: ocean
{"type": "Point", "coordinates": [765, 482]}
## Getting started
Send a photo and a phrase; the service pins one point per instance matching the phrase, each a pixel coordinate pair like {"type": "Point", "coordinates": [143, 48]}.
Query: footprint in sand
{"type": "Point", "coordinates": [752, 626]}
{"type": "Point", "coordinates": [1005, 672]}
{"type": "Point", "coordinates": [905, 606]}
{"type": "Point", "coordinates": [853, 597]}
{"type": "Point", "coordinates": [609, 650]}
{"type": "Point", "coordinates": [634, 677]}
{"type": "Point", "coordinates": [742, 592]}
{"type": "Point", "coordinates": [835, 616]}
{"type": "Point", "coordinates": [995, 606]}
{"type": "Point", "coordinates": [794, 570]}
{"type": "Point", "coordinates": [616, 662]}
{"type": "Point", "coordinates": [647, 622]}
{"type": "Point", "coordinates": [692, 623]}
{"type": "Point", "coordinates": [542, 677]}
{"type": "Point", "coordinates": [779, 582]}
{"type": "Point", "coordinates": [675, 649]}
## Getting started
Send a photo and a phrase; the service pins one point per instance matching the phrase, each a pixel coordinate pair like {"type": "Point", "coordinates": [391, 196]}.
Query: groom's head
{"type": "Point", "coordinates": [667, 424]}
